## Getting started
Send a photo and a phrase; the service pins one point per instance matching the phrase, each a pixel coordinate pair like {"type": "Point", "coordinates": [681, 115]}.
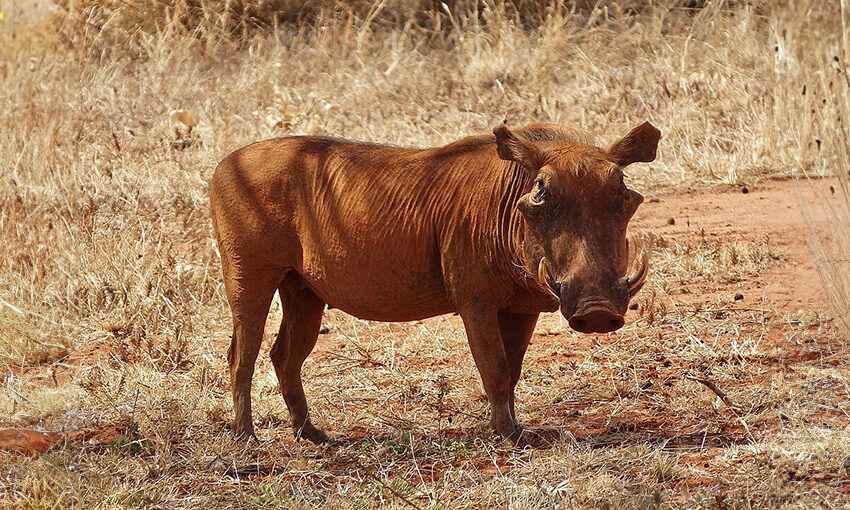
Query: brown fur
{"type": "Point", "coordinates": [395, 234]}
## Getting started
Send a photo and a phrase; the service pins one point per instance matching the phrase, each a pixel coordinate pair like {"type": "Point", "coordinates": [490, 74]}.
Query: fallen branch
{"type": "Point", "coordinates": [717, 391]}
{"type": "Point", "coordinates": [726, 400]}
{"type": "Point", "coordinates": [393, 491]}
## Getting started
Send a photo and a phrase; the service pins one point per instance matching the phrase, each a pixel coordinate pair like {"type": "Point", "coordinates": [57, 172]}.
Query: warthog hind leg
{"type": "Point", "coordinates": [249, 306]}
{"type": "Point", "coordinates": [299, 330]}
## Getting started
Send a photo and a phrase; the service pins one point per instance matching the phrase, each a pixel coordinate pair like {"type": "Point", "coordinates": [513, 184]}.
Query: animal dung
{"type": "Point", "coordinates": [671, 220]}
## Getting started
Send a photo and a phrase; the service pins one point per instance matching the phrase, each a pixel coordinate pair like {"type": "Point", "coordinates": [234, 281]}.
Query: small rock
{"type": "Point", "coordinates": [744, 190]}
{"type": "Point", "coordinates": [739, 297]}
{"type": "Point", "coordinates": [671, 220]}
{"type": "Point", "coordinates": [654, 200]}
{"type": "Point", "coordinates": [832, 190]}
{"type": "Point", "coordinates": [633, 306]}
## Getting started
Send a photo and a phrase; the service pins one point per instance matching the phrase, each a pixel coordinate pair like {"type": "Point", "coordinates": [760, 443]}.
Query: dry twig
{"type": "Point", "coordinates": [717, 391]}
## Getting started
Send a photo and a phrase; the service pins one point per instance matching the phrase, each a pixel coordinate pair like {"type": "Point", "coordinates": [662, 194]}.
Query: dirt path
{"type": "Point", "coordinates": [769, 213]}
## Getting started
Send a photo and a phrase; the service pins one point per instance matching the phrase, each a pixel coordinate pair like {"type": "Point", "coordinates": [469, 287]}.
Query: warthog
{"type": "Point", "coordinates": [496, 228]}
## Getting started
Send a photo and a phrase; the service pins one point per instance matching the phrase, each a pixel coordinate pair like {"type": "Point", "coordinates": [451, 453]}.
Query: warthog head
{"type": "Point", "coordinates": [575, 216]}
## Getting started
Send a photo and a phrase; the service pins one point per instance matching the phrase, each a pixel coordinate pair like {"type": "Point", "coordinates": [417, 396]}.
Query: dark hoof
{"type": "Point", "coordinates": [312, 433]}
{"type": "Point", "coordinates": [244, 434]}
{"type": "Point", "coordinates": [532, 440]}
{"type": "Point", "coordinates": [522, 438]}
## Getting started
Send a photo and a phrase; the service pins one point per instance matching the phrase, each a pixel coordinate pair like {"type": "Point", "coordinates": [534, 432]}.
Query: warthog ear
{"type": "Point", "coordinates": [639, 145]}
{"type": "Point", "coordinates": [513, 147]}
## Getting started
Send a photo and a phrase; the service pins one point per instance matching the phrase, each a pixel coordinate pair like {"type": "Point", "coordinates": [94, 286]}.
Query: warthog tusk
{"type": "Point", "coordinates": [636, 281]}
{"type": "Point", "coordinates": [543, 276]}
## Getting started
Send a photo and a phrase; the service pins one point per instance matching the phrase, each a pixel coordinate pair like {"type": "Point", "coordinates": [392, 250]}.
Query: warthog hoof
{"type": "Point", "coordinates": [243, 431]}
{"type": "Point", "coordinates": [311, 433]}
{"type": "Point", "coordinates": [246, 437]}
{"type": "Point", "coordinates": [521, 438]}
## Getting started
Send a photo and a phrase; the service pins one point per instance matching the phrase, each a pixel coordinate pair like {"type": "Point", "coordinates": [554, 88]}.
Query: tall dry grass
{"type": "Point", "coordinates": [109, 283]}
{"type": "Point", "coordinates": [104, 220]}
{"type": "Point", "coordinates": [823, 142]}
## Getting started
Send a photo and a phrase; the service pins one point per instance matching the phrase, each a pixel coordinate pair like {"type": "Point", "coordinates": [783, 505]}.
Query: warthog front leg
{"type": "Point", "coordinates": [516, 329]}
{"type": "Point", "coordinates": [488, 351]}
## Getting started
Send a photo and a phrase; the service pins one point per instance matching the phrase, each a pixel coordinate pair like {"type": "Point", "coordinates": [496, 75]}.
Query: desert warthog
{"type": "Point", "coordinates": [496, 228]}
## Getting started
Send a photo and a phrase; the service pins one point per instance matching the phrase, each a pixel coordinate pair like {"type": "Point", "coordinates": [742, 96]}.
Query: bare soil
{"type": "Point", "coordinates": [768, 212]}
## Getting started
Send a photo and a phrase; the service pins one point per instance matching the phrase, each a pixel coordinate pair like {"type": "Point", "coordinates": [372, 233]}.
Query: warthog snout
{"type": "Point", "coordinates": [599, 310]}
{"type": "Point", "coordinates": [598, 319]}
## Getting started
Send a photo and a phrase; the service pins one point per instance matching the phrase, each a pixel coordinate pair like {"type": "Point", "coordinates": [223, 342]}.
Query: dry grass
{"type": "Point", "coordinates": [826, 134]}
{"type": "Point", "coordinates": [114, 324]}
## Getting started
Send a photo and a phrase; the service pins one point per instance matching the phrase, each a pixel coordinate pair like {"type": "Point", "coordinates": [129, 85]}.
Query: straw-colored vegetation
{"type": "Point", "coordinates": [113, 323]}
{"type": "Point", "coordinates": [826, 113]}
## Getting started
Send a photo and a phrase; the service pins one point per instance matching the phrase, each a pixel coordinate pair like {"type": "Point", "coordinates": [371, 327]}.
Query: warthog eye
{"type": "Point", "coordinates": [540, 191]}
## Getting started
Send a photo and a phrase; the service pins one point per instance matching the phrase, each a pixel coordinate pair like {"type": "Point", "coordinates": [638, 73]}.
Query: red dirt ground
{"type": "Point", "coordinates": [770, 211]}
